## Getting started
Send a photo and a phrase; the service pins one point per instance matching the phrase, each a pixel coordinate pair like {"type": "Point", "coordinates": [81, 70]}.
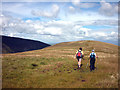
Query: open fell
{"type": "Point", "coordinates": [56, 67]}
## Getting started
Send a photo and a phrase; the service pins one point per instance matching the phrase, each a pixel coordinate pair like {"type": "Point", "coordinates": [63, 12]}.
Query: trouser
{"type": "Point", "coordinates": [92, 64]}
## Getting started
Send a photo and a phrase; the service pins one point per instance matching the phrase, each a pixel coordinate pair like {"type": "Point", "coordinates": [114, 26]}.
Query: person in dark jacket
{"type": "Point", "coordinates": [93, 57]}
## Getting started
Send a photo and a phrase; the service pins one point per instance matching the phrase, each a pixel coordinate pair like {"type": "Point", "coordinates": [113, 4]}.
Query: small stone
{"type": "Point", "coordinates": [75, 69]}
{"type": "Point", "coordinates": [83, 80]}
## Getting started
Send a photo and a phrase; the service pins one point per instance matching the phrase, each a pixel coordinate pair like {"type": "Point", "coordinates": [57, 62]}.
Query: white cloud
{"type": "Point", "coordinates": [36, 26]}
{"type": "Point", "coordinates": [28, 21]}
{"type": "Point", "coordinates": [16, 9]}
{"type": "Point", "coordinates": [113, 33]}
{"type": "Point", "coordinates": [49, 14]}
{"type": "Point", "coordinates": [76, 2]}
{"type": "Point", "coordinates": [99, 34]}
{"type": "Point", "coordinates": [11, 34]}
{"type": "Point", "coordinates": [4, 20]}
{"type": "Point", "coordinates": [87, 5]}
{"type": "Point", "coordinates": [108, 9]}
{"type": "Point", "coordinates": [80, 4]}
{"type": "Point", "coordinates": [103, 36]}
{"type": "Point", "coordinates": [86, 31]}
{"type": "Point", "coordinates": [53, 31]}
{"type": "Point", "coordinates": [71, 9]}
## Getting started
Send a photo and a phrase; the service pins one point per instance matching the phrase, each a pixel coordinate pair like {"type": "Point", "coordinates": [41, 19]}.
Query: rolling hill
{"type": "Point", "coordinates": [14, 44]}
{"type": "Point", "coordinates": [56, 67]}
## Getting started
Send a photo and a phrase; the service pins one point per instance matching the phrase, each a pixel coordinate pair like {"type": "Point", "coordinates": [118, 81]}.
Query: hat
{"type": "Point", "coordinates": [92, 50]}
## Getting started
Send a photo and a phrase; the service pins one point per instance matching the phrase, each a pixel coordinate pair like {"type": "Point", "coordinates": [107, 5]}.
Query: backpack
{"type": "Point", "coordinates": [79, 54]}
{"type": "Point", "coordinates": [92, 56]}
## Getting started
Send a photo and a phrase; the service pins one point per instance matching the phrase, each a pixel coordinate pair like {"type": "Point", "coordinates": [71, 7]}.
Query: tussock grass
{"type": "Point", "coordinates": [56, 67]}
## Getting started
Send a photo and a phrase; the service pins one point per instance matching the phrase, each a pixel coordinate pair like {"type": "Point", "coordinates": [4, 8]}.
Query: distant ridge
{"type": "Point", "coordinates": [14, 44]}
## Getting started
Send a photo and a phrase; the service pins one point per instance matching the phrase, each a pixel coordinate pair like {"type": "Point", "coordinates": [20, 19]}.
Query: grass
{"type": "Point", "coordinates": [56, 67]}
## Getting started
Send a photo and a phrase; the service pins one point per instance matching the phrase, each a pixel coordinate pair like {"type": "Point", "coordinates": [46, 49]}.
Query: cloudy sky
{"type": "Point", "coordinates": [55, 22]}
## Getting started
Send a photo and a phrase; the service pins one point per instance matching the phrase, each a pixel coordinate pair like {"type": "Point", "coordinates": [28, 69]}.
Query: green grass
{"type": "Point", "coordinates": [58, 69]}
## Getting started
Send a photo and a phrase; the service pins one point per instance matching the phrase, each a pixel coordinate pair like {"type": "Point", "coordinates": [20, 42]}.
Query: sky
{"type": "Point", "coordinates": [55, 22]}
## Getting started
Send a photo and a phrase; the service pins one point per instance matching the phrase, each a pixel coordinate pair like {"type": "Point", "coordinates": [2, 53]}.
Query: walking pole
{"type": "Point", "coordinates": [96, 66]}
{"type": "Point", "coordinates": [87, 65]}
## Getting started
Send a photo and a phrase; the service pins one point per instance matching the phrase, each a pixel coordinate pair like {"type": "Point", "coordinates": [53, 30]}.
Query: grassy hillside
{"type": "Point", "coordinates": [5, 48]}
{"type": "Point", "coordinates": [56, 67]}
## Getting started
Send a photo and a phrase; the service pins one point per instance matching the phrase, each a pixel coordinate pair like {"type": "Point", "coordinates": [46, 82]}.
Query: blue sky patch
{"type": "Point", "coordinates": [96, 27]}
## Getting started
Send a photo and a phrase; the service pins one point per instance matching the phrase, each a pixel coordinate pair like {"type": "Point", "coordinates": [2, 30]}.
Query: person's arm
{"type": "Point", "coordinates": [96, 55]}
{"type": "Point", "coordinates": [76, 53]}
{"type": "Point", "coordinates": [82, 54]}
{"type": "Point", "coordinates": [89, 57]}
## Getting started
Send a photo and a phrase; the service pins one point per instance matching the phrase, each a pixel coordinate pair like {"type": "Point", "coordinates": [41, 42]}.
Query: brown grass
{"type": "Point", "coordinates": [56, 67]}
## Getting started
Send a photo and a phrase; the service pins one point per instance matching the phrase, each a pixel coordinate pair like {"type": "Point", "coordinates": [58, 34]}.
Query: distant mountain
{"type": "Point", "coordinates": [14, 44]}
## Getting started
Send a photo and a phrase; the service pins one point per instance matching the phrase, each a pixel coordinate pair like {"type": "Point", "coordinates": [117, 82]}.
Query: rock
{"type": "Point", "coordinates": [83, 80]}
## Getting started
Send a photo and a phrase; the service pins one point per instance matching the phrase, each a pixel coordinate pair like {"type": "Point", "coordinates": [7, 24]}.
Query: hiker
{"type": "Point", "coordinates": [93, 57]}
{"type": "Point", "coordinates": [79, 56]}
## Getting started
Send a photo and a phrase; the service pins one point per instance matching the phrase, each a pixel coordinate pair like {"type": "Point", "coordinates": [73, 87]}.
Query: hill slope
{"type": "Point", "coordinates": [56, 67]}
{"type": "Point", "coordinates": [14, 45]}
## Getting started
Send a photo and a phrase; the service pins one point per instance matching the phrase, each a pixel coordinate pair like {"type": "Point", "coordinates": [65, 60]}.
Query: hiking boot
{"type": "Point", "coordinates": [78, 67]}
{"type": "Point", "coordinates": [81, 64]}
{"type": "Point", "coordinates": [90, 70]}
